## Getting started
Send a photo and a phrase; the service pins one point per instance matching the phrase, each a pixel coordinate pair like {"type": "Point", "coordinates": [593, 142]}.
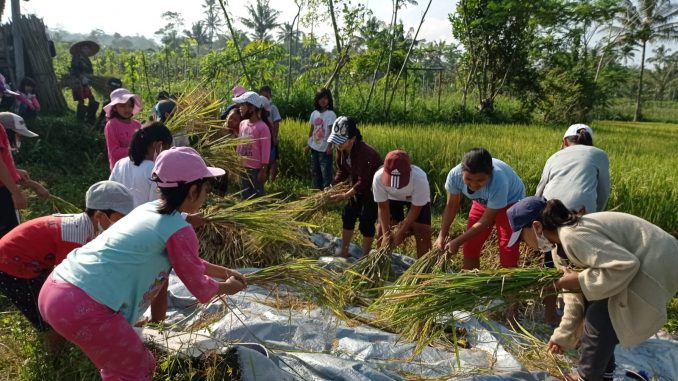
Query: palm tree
{"type": "Point", "coordinates": [198, 33]}
{"type": "Point", "coordinates": [647, 22]}
{"type": "Point", "coordinates": [262, 20]}
{"type": "Point", "coordinates": [212, 20]}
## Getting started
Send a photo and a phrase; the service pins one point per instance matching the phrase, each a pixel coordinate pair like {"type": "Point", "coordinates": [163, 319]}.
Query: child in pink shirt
{"type": "Point", "coordinates": [120, 127]}
{"type": "Point", "coordinates": [257, 152]}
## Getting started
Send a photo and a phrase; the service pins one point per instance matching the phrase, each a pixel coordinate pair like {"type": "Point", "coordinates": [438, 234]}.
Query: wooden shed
{"type": "Point", "coordinates": [37, 59]}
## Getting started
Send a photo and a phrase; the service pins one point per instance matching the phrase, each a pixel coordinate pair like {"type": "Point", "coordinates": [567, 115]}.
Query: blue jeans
{"type": "Point", "coordinates": [250, 187]}
{"type": "Point", "coordinates": [321, 169]}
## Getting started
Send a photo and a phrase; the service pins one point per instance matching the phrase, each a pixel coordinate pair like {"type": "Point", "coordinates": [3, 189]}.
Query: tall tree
{"type": "Point", "coordinates": [212, 20]}
{"type": "Point", "coordinates": [397, 4]}
{"type": "Point", "coordinates": [170, 32]}
{"type": "Point", "coordinates": [648, 21]}
{"type": "Point", "coordinates": [198, 33]}
{"type": "Point", "coordinates": [234, 37]}
{"type": "Point", "coordinates": [665, 71]}
{"type": "Point", "coordinates": [497, 36]}
{"type": "Point", "coordinates": [261, 20]}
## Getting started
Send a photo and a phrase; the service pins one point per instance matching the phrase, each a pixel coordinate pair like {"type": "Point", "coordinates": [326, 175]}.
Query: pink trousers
{"type": "Point", "coordinates": [508, 256]}
{"type": "Point", "coordinates": [102, 334]}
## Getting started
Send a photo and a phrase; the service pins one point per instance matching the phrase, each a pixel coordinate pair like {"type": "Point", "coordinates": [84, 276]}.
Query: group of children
{"type": "Point", "coordinates": [89, 278]}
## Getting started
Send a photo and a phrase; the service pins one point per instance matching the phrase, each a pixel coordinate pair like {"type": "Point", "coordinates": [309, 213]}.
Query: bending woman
{"type": "Point", "coordinates": [624, 279]}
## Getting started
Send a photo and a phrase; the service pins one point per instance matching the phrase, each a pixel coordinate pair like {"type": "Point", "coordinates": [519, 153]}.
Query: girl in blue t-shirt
{"type": "Point", "coordinates": [493, 186]}
{"type": "Point", "coordinates": [96, 295]}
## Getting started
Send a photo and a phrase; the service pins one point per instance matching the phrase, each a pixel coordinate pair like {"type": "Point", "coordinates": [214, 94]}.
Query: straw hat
{"type": "Point", "coordinates": [77, 47]}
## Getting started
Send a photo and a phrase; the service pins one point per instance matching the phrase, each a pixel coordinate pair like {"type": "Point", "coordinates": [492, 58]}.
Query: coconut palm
{"type": "Point", "coordinates": [212, 20]}
{"type": "Point", "coordinates": [262, 20]}
{"type": "Point", "coordinates": [643, 22]}
{"type": "Point", "coordinates": [198, 33]}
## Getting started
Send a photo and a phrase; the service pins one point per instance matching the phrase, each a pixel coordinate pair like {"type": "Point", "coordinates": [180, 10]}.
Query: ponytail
{"type": "Point", "coordinates": [358, 135]}
{"type": "Point", "coordinates": [144, 137]}
{"type": "Point", "coordinates": [556, 215]}
{"type": "Point", "coordinates": [582, 137]}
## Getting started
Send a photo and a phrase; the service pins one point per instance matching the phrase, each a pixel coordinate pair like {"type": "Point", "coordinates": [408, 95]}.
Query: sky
{"type": "Point", "coordinates": [143, 17]}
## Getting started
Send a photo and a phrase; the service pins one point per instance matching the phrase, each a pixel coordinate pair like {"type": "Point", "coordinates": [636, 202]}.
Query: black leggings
{"type": "Point", "coordinates": [8, 214]}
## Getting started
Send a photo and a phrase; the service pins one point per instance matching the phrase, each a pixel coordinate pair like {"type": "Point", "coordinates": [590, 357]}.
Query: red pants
{"type": "Point", "coordinates": [508, 257]}
{"type": "Point", "coordinates": [103, 334]}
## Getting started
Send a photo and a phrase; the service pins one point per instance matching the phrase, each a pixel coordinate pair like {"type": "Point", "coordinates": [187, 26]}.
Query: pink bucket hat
{"type": "Point", "coordinates": [122, 96]}
{"type": "Point", "coordinates": [182, 165]}
{"type": "Point", "coordinates": [238, 91]}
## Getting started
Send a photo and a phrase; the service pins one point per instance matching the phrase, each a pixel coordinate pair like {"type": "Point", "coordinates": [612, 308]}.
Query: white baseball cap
{"type": "Point", "coordinates": [16, 123]}
{"type": "Point", "coordinates": [249, 97]}
{"type": "Point", "coordinates": [572, 130]}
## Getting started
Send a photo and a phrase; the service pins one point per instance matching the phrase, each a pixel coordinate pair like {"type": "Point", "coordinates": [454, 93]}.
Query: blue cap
{"type": "Point", "coordinates": [523, 213]}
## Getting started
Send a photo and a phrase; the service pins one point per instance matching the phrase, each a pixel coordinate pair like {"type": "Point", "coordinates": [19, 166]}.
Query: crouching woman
{"type": "Point", "coordinates": [94, 297]}
{"type": "Point", "coordinates": [624, 279]}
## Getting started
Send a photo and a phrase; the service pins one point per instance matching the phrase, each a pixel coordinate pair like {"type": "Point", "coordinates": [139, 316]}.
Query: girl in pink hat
{"type": "Point", "coordinates": [96, 295]}
{"type": "Point", "coordinates": [120, 127]}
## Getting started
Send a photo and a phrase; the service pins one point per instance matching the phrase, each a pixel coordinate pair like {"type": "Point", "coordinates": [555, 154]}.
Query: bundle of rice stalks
{"type": "Point", "coordinates": [251, 232]}
{"type": "Point", "coordinates": [312, 204]}
{"type": "Point", "coordinates": [365, 276]}
{"type": "Point", "coordinates": [220, 151]}
{"type": "Point", "coordinates": [63, 206]}
{"type": "Point", "coordinates": [197, 112]}
{"type": "Point", "coordinates": [306, 277]}
{"type": "Point", "coordinates": [426, 305]}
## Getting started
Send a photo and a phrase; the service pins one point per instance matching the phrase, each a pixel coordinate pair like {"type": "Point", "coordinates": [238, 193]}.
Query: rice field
{"type": "Point", "coordinates": [643, 157]}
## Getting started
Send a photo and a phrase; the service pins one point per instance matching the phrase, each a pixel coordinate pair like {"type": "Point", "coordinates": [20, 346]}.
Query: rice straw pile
{"type": "Point", "coordinates": [305, 276]}
{"type": "Point", "coordinates": [425, 306]}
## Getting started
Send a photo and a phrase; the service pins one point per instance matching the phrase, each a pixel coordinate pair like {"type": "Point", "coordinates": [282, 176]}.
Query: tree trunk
{"type": "Point", "coordinates": [637, 116]}
{"type": "Point", "coordinates": [407, 57]}
{"type": "Point", "coordinates": [337, 39]}
{"type": "Point", "coordinates": [289, 58]}
{"type": "Point", "coordinates": [394, 22]}
{"type": "Point", "coordinates": [250, 84]}
{"type": "Point", "coordinates": [374, 80]}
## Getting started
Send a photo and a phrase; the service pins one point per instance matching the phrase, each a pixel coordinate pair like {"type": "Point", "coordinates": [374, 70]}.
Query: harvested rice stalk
{"type": "Point", "coordinates": [63, 206]}
{"type": "Point", "coordinates": [366, 275]}
{"type": "Point", "coordinates": [315, 202]}
{"type": "Point", "coordinates": [197, 112]}
{"type": "Point", "coordinates": [265, 218]}
{"type": "Point", "coordinates": [306, 276]}
{"type": "Point", "coordinates": [219, 151]}
{"type": "Point", "coordinates": [532, 353]}
{"type": "Point", "coordinates": [423, 307]}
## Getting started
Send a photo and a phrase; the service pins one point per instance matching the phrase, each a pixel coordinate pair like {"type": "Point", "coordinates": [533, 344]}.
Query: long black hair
{"type": "Point", "coordinates": [323, 92]}
{"type": "Point", "coordinates": [148, 134]}
{"type": "Point", "coordinates": [556, 215]}
{"type": "Point", "coordinates": [583, 137]}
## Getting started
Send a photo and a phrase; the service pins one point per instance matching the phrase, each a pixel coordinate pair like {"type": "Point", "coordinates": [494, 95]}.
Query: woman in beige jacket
{"type": "Point", "coordinates": [623, 277]}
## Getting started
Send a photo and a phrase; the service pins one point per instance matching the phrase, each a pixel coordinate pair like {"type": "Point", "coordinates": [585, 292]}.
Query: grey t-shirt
{"type": "Point", "coordinates": [579, 176]}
